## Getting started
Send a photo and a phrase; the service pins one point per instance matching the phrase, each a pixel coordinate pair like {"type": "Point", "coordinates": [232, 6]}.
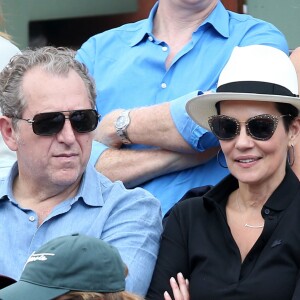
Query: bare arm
{"type": "Point", "coordinates": [151, 125]}
{"type": "Point", "coordinates": [134, 167]}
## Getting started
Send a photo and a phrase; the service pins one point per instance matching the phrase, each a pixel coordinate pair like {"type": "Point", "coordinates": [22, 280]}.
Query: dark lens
{"type": "Point", "coordinates": [261, 128]}
{"type": "Point", "coordinates": [223, 127]}
{"type": "Point", "coordinates": [84, 120]}
{"type": "Point", "coordinates": [48, 123]}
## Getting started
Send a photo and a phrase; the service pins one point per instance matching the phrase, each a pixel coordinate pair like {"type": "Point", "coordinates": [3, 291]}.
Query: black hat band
{"type": "Point", "coordinates": [255, 87]}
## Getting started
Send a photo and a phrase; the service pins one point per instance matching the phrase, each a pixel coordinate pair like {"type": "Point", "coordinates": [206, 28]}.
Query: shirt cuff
{"type": "Point", "coordinates": [97, 150]}
{"type": "Point", "coordinates": [197, 137]}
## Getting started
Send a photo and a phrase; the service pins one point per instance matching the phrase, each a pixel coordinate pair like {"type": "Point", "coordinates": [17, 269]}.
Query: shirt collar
{"type": "Point", "coordinates": [285, 193]}
{"type": "Point", "coordinates": [218, 18]}
{"type": "Point", "coordinates": [281, 198]}
{"type": "Point", "coordinates": [145, 27]}
{"type": "Point", "coordinates": [7, 182]}
{"type": "Point", "coordinates": [90, 190]}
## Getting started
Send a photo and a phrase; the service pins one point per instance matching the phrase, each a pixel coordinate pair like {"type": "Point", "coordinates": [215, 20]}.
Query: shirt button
{"type": "Point", "coordinates": [163, 85]}
{"type": "Point", "coordinates": [164, 48]}
{"type": "Point", "coordinates": [267, 211]}
{"type": "Point", "coordinates": [31, 218]}
{"type": "Point", "coordinates": [150, 38]}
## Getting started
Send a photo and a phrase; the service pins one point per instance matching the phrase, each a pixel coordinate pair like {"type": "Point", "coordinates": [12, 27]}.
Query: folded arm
{"type": "Point", "coordinates": [152, 126]}
{"type": "Point", "coordinates": [135, 167]}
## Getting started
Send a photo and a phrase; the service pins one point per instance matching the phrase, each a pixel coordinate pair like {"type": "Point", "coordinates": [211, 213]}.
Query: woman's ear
{"type": "Point", "coordinates": [294, 132]}
{"type": "Point", "coordinates": [8, 133]}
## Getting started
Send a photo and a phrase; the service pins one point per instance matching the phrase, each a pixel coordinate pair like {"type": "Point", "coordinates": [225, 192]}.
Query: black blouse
{"type": "Point", "coordinates": [197, 242]}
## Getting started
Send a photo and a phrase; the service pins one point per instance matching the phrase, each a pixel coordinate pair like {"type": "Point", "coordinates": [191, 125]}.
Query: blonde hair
{"type": "Point", "coordinates": [100, 296]}
{"type": "Point", "coordinates": [3, 34]}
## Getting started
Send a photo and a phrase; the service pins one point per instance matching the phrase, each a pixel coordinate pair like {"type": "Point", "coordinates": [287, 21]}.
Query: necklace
{"type": "Point", "coordinates": [237, 199]}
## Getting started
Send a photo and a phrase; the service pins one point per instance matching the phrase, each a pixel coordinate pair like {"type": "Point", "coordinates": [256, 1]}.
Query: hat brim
{"type": "Point", "coordinates": [27, 290]}
{"type": "Point", "coordinates": [200, 108]}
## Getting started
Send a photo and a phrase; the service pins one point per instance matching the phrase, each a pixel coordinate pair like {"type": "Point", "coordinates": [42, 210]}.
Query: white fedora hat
{"type": "Point", "coordinates": [252, 73]}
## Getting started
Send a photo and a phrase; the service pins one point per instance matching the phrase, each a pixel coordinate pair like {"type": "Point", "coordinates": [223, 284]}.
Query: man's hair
{"type": "Point", "coordinates": [102, 296]}
{"type": "Point", "coordinates": [57, 61]}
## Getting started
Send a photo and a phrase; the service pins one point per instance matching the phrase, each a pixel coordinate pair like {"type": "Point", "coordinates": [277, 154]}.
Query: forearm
{"type": "Point", "coordinates": [153, 125]}
{"type": "Point", "coordinates": [135, 167]}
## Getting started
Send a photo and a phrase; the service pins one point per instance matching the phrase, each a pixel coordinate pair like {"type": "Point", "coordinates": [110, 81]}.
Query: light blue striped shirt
{"type": "Point", "coordinates": [130, 220]}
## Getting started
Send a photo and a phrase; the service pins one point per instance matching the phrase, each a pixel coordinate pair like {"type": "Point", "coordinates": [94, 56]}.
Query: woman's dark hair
{"type": "Point", "coordinates": [283, 109]}
{"type": "Point", "coordinates": [287, 109]}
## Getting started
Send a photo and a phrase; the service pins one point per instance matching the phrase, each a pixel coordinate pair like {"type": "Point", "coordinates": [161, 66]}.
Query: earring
{"type": "Point", "coordinates": [218, 159]}
{"type": "Point", "coordinates": [291, 155]}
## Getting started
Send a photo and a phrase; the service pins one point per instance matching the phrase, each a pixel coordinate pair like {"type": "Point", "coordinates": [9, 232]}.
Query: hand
{"type": "Point", "coordinates": [106, 132]}
{"type": "Point", "coordinates": [180, 289]}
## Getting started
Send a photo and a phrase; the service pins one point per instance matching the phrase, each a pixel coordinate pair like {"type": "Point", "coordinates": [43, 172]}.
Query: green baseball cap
{"type": "Point", "coordinates": [69, 263]}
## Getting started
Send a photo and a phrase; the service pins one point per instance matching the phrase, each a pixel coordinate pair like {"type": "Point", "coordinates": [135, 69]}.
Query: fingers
{"type": "Point", "coordinates": [183, 286]}
{"type": "Point", "coordinates": [167, 296]}
{"type": "Point", "coordinates": [180, 290]}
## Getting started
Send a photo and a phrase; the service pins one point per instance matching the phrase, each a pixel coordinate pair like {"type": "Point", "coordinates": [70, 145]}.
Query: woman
{"type": "Point", "coordinates": [7, 50]}
{"type": "Point", "coordinates": [241, 240]}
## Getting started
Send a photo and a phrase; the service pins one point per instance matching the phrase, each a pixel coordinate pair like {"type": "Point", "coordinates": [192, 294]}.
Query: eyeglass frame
{"type": "Point", "coordinates": [32, 121]}
{"type": "Point", "coordinates": [238, 123]}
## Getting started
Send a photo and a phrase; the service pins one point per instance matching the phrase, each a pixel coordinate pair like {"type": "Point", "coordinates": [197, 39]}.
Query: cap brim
{"type": "Point", "coordinates": [202, 107]}
{"type": "Point", "coordinates": [26, 290]}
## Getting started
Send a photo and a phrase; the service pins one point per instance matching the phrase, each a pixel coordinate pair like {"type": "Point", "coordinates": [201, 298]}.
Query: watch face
{"type": "Point", "coordinates": [121, 122]}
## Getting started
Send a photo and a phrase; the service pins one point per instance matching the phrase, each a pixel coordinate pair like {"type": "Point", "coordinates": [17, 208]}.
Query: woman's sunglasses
{"type": "Point", "coordinates": [260, 127]}
{"type": "Point", "coordinates": [51, 123]}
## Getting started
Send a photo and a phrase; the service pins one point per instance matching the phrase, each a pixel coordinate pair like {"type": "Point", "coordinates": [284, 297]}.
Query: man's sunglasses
{"type": "Point", "coordinates": [260, 127]}
{"type": "Point", "coordinates": [51, 123]}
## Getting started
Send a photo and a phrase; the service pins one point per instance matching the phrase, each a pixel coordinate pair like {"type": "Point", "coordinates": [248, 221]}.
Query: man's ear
{"type": "Point", "coordinates": [8, 133]}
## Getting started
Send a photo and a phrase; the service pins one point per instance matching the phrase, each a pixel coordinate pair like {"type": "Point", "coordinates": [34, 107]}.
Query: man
{"type": "Point", "coordinates": [182, 47]}
{"type": "Point", "coordinates": [47, 100]}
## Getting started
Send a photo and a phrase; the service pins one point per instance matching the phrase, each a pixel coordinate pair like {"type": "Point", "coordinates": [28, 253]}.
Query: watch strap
{"type": "Point", "coordinates": [122, 132]}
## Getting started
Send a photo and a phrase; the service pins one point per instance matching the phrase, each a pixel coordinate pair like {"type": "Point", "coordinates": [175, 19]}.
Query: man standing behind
{"type": "Point", "coordinates": [182, 47]}
{"type": "Point", "coordinates": [48, 100]}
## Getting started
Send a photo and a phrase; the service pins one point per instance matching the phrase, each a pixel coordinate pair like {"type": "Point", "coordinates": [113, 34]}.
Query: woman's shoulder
{"type": "Point", "coordinates": [190, 203]}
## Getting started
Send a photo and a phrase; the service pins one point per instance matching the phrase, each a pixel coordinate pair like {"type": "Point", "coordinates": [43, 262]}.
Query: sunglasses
{"type": "Point", "coordinates": [51, 123]}
{"type": "Point", "coordinates": [260, 127]}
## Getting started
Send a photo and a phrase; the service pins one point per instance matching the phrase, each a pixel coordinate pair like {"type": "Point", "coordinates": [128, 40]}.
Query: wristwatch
{"type": "Point", "coordinates": [121, 126]}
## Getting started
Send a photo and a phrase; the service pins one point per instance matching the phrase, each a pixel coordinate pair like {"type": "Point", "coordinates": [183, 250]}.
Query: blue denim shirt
{"type": "Point", "coordinates": [130, 220]}
{"type": "Point", "coordinates": [128, 65]}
